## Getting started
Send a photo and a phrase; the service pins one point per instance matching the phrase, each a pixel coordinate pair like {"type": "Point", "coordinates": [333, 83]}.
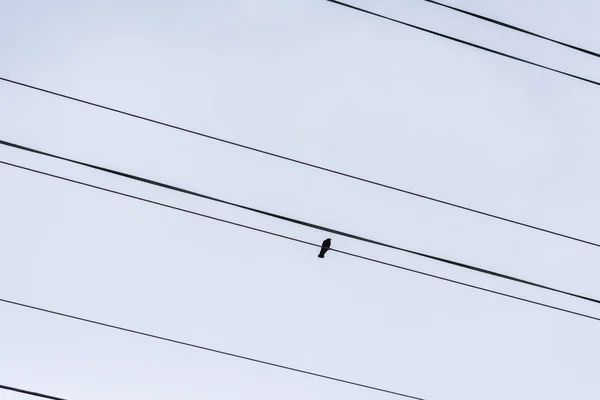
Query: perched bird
{"type": "Point", "coordinates": [324, 247]}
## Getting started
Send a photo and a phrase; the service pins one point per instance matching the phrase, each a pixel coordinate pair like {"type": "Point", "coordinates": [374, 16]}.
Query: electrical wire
{"type": "Point", "coordinates": [209, 349]}
{"type": "Point", "coordinates": [307, 164]}
{"type": "Point", "coordinates": [513, 27]}
{"type": "Point", "coordinates": [467, 43]}
{"type": "Point", "coordinates": [45, 396]}
{"type": "Point", "coordinates": [357, 256]}
{"type": "Point", "coordinates": [300, 222]}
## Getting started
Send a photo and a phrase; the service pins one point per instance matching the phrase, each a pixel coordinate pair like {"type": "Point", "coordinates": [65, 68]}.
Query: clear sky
{"type": "Point", "coordinates": [328, 85]}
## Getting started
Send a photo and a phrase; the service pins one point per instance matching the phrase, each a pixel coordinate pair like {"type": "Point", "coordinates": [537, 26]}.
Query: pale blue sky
{"type": "Point", "coordinates": [321, 83]}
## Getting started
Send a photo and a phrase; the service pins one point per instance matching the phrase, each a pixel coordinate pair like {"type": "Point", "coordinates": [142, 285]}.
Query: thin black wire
{"type": "Point", "coordinates": [516, 28]}
{"type": "Point", "coordinates": [305, 242]}
{"type": "Point", "coordinates": [299, 222]}
{"type": "Point", "coordinates": [471, 44]}
{"type": "Point", "coordinates": [45, 396]}
{"type": "Point", "coordinates": [195, 346]}
{"type": "Point", "coordinates": [306, 164]}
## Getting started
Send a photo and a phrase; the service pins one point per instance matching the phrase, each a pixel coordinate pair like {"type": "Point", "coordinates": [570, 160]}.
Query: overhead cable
{"type": "Point", "coordinates": [209, 349]}
{"type": "Point", "coordinates": [513, 27]}
{"type": "Point", "coordinates": [358, 256]}
{"type": "Point", "coordinates": [467, 43]}
{"type": "Point", "coordinates": [300, 222]}
{"type": "Point", "coordinates": [307, 164]}
{"type": "Point", "coordinates": [30, 393]}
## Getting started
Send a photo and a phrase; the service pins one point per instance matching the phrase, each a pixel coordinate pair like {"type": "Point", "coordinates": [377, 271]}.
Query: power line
{"type": "Point", "coordinates": [471, 44]}
{"type": "Point", "coordinates": [358, 256]}
{"type": "Point", "coordinates": [209, 349]}
{"type": "Point", "coordinates": [513, 27]}
{"type": "Point", "coordinates": [300, 222]}
{"type": "Point", "coordinates": [45, 396]}
{"type": "Point", "coordinates": [307, 164]}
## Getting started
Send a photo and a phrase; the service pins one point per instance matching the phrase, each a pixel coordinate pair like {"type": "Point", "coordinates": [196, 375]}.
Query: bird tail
{"type": "Point", "coordinates": [321, 254]}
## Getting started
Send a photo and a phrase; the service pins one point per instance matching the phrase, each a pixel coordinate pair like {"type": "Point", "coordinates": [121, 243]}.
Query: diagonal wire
{"type": "Point", "coordinates": [358, 256]}
{"type": "Point", "coordinates": [45, 396]}
{"type": "Point", "coordinates": [513, 27]}
{"type": "Point", "coordinates": [212, 350]}
{"type": "Point", "coordinates": [300, 222]}
{"type": "Point", "coordinates": [471, 44]}
{"type": "Point", "coordinates": [307, 164]}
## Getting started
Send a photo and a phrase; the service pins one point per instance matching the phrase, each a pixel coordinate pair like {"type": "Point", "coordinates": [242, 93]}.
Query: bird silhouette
{"type": "Point", "coordinates": [324, 247]}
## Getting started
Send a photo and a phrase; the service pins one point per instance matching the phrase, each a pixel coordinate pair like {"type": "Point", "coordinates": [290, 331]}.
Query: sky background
{"type": "Point", "coordinates": [327, 85]}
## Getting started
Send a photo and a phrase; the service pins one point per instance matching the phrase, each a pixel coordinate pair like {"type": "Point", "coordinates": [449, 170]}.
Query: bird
{"type": "Point", "coordinates": [324, 247]}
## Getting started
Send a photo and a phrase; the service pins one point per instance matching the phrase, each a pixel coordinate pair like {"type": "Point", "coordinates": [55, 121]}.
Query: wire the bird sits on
{"type": "Point", "coordinates": [212, 350]}
{"type": "Point", "coordinates": [513, 27]}
{"type": "Point", "coordinates": [30, 393]}
{"type": "Point", "coordinates": [467, 43]}
{"type": "Point", "coordinates": [303, 223]}
{"type": "Point", "coordinates": [306, 164]}
{"type": "Point", "coordinates": [358, 256]}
